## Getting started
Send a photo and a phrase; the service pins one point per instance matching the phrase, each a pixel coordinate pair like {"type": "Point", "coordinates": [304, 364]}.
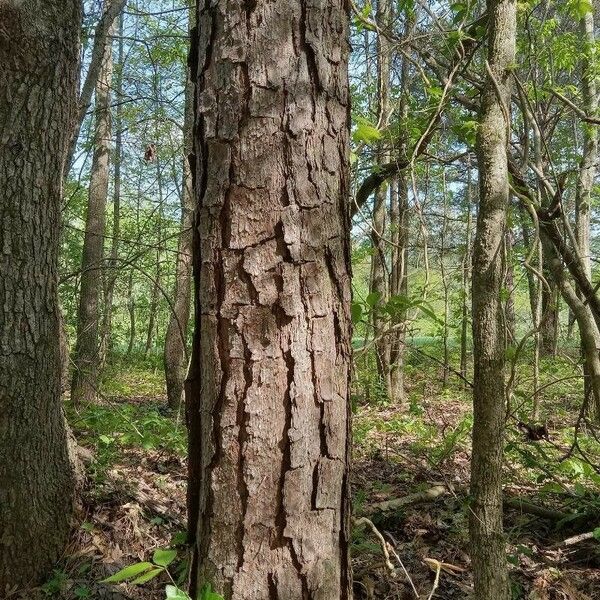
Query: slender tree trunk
{"type": "Point", "coordinates": [587, 169]}
{"type": "Point", "coordinates": [535, 303]}
{"type": "Point", "coordinates": [445, 286]}
{"type": "Point", "coordinates": [87, 350]}
{"type": "Point", "coordinates": [488, 552]}
{"type": "Point", "coordinates": [111, 273]}
{"type": "Point", "coordinates": [466, 278]}
{"type": "Point", "coordinates": [549, 326]}
{"type": "Point", "coordinates": [509, 284]}
{"type": "Point", "coordinates": [588, 328]}
{"type": "Point", "coordinates": [379, 270]}
{"type": "Point", "coordinates": [111, 10]}
{"type": "Point", "coordinates": [131, 311]}
{"type": "Point", "coordinates": [399, 287]}
{"type": "Point", "coordinates": [175, 353]}
{"type": "Point", "coordinates": [39, 54]}
{"type": "Point", "coordinates": [151, 332]}
{"type": "Point", "coordinates": [268, 392]}
{"type": "Point", "coordinates": [399, 220]}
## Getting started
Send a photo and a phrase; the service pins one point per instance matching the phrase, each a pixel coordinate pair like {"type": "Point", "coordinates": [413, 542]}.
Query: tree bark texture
{"type": "Point", "coordinates": [87, 348]}
{"type": "Point", "coordinates": [268, 392]}
{"type": "Point", "coordinates": [39, 54]}
{"type": "Point", "coordinates": [488, 551]}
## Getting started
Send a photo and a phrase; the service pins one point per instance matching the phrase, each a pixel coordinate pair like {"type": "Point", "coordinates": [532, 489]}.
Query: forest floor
{"type": "Point", "coordinates": [416, 460]}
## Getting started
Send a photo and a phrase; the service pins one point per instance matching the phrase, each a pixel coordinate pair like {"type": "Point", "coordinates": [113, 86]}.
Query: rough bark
{"type": "Point", "coordinates": [487, 539]}
{"type": "Point", "coordinates": [39, 55]}
{"type": "Point", "coordinates": [175, 352]}
{"type": "Point", "coordinates": [267, 396]}
{"type": "Point", "coordinates": [87, 350]}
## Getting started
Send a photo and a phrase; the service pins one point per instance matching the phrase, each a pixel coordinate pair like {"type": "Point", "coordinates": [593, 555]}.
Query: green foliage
{"type": "Point", "coordinates": [56, 583]}
{"type": "Point", "coordinates": [365, 131]}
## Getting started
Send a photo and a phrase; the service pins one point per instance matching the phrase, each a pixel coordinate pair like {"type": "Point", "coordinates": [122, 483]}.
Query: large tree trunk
{"type": "Point", "coordinates": [175, 353]}
{"type": "Point", "coordinates": [39, 55]}
{"type": "Point", "coordinates": [268, 393]}
{"type": "Point", "coordinates": [87, 350]}
{"type": "Point", "coordinates": [488, 550]}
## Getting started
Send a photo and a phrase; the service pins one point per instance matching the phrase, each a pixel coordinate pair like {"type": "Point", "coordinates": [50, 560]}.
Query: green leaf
{"type": "Point", "coordinates": [174, 593]}
{"type": "Point", "coordinates": [580, 8]}
{"type": "Point", "coordinates": [164, 557]}
{"type": "Point", "coordinates": [128, 572]}
{"type": "Point", "coordinates": [596, 533]}
{"type": "Point", "coordinates": [373, 298]}
{"type": "Point", "coordinates": [365, 131]}
{"type": "Point", "coordinates": [356, 311]}
{"type": "Point", "coordinates": [148, 576]}
{"type": "Point", "coordinates": [206, 593]}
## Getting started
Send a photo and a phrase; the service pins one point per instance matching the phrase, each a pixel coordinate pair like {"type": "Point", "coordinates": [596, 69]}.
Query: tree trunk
{"type": "Point", "coordinates": [111, 10]}
{"type": "Point", "coordinates": [509, 285]}
{"type": "Point", "coordinates": [466, 278]}
{"type": "Point", "coordinates": [39, 54]}
{"type": "Point", "coordinates": [587, 326]}
{"type": "Point", "coordinates": [131, 311]}
{"type": "Point", "coordinates": [488, 552]}
{"type": "Point", "coordinates": [111, 273]}
{"type": "Point", "coordinates": [175, 353]}
{"type": "Point", "coordinates": [379, 271]}
{"type": "Point", "coordinates": [549, 325]}
{"type": "Point", "coordinates": [268, 392]}
{"type": "Point", "coordinates": [87, 350]}
{"type": "Point", "coordinates": [587, 169]}
{"type": "Point", "coordinates": [399, 220]}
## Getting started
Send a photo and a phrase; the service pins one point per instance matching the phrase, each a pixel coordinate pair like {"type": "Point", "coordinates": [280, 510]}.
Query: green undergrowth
{"type": "Point", "coordinates": [109, 429]}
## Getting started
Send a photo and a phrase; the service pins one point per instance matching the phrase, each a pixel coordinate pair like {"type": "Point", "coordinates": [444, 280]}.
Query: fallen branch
{"type": "Point", "coordinates": [429, 495]}
{"type": "Point", "coordinates": [536, 510]}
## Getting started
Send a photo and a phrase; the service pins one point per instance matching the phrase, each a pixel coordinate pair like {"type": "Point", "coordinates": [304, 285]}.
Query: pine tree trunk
{"type": "Point", "coordinates": [87, 348]}
{"type": "Point", "coordinates": [268, 392]}
{"type": "Point", "coordinates": [175, 353]}
{"type": "Point", "coordinates": [39, 55]}
{"type": "Point", "coordinates": [488, 551]}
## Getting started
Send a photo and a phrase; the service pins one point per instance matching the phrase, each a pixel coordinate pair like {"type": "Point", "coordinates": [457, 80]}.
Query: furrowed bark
{"type": "Point", "coordinates": [39, 54]}
{"type": "Point", "coordinates": [267, 396]}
